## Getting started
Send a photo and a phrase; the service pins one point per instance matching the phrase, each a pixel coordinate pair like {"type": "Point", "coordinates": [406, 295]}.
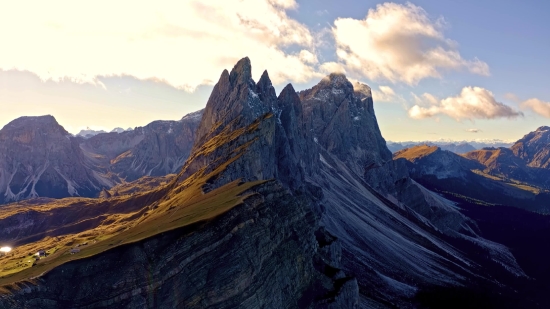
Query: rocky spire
{"type": "Point", "coordinates": [233, 97]}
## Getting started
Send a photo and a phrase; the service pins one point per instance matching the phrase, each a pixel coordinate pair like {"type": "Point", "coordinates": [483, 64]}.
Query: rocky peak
{"type": "Point", "coordinates": [343, 122]}
{"type": "Point", "coordinates": [534, 148]}
{"type": "Point", "coordinates": [265, 90]}
{"type": "Point", "coordinates": [233, 97]}
{"type": "Point", "coordinates": [27, 128]}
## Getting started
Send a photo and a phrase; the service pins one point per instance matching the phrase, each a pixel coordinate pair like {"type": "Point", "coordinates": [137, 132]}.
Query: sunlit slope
{"type": "Point", "coordinates": [124, 219]}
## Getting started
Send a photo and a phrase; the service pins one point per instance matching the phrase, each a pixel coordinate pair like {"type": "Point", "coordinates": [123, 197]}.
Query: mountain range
{"type": "Point", "coordinates": [39, 158]}
{"type": "Point", "coordinates": [280, 201]}
{"type": "Point", "coordinates": [87, 133]}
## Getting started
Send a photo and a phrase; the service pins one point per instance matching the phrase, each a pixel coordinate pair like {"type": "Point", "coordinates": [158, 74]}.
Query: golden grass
{"type": "Point", "coordinates": [188, 207]}
{"type": "Point", "coordinates": [510, 182]}
{"type": "Point", "coordinates": [183, 204]}
{"type": "Point", "coordinates": [415, 152]}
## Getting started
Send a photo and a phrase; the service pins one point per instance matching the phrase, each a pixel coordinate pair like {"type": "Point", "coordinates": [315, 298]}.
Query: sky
{"type": "Point", "coordinates": [438, 69]}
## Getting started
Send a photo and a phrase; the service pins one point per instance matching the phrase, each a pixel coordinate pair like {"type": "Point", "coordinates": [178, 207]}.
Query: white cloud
{"type": "Point", "coordinates": [185, 43]}
{"type": "Point", "coordinates": [473, 130]}
{"type": "Point", "coordinates": [540, 107]}
{"type": "Point", "coordinates": [385, 94]}
{"type": "Point", "coordinates": [471, 103]}
{"type": "Point", "coordinates": [332, 67]}
{"type": "Point", "coordinates": [399, 43]}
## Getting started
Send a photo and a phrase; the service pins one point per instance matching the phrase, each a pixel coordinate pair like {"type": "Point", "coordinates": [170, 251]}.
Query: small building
{"type": "Point", "coordinates": [74, 250]}
{"type": "Point", "coordinates": [40, 253]}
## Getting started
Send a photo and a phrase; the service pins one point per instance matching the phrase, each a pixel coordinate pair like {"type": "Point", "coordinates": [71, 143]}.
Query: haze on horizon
{"type": "Point", "coordinates": [458, 71]}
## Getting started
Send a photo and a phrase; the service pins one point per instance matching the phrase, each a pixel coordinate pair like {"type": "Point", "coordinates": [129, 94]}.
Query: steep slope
{"type": "Point", "coordinates": [397, 237]}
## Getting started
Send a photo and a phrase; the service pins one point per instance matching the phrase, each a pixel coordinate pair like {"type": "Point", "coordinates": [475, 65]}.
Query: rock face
{"type": "Point", "coordinates": [336, 223]}
{"type": "Point", "coordinates": [394, 232]}
{"type": "Point", "coordinates": [262, 254]}
{"type": "Point", "coordinates": [39, 158]}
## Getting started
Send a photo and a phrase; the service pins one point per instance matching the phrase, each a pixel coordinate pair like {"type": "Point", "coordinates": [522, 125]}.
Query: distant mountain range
{"type": "Point", "coordinates": [454, 146]}
{"type": "Point", "coordinates": [87, 133]}
{"type": "Point", "coordinates": [39, 158]}
{"type": "Point", "coordinates": [517, 176]}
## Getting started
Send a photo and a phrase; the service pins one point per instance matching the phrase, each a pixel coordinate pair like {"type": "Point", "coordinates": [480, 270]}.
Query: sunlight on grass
{"type": "Point", "coordinates": [170, 206]}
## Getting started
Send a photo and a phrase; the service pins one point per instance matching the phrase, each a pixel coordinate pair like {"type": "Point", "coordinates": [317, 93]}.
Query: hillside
{"type": "Point", "coordinates": [488, 176]}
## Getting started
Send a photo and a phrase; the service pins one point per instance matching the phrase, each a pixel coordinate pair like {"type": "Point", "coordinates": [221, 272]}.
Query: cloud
{"type": "Point", "coordinates": [332, 67]}
{"type": "Point", "coordinates": [385, 94]}
{"type": "Point", "coordinates": [185, 43]}
{"type": "Point", "coordinates": [540, 107]}
{"type": "Point", "coordinates": [471, 103]}
{"type": "Point", "coordinates": [425, 99]}
{"type": "Point", "coordinates": [512, 97]}
{"type": "Point", "coordinates": [399, 43]}
{"type": "Point", "coordinates": [473, 130]}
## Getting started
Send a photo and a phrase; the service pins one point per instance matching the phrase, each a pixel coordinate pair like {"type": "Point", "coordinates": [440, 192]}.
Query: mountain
{"type": "Point", "coordinates": [120, 130]}
{"type": "Point", "coordinates": [456, 148]}
{"type": "Point", "coordinates": [38, 158]}
{"type": "Point", "coordinates": [488, 176]}
{"type": "Point", "coordinates": [158, 149]}
{"type": "Point", "coordinates": [288, 201]}
{"type": "Point", "coordinates": [87, 133]}
{"type": "Point", "coordinates": [534, 148]}
{"type": "Point", "coordinates": [526, 161]}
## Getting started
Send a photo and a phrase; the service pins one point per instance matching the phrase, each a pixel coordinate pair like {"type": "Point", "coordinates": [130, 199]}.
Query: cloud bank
{"type": "Point", "coordinates": [185, 43]}
{"type": "Point", "coordinates": [399, 43]}
{"type": "Point", "coordinates": [472, 103]}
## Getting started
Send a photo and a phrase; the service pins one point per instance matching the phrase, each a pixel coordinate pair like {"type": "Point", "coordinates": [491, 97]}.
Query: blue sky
{"type": "Point", "coordinates": [438, 69]}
